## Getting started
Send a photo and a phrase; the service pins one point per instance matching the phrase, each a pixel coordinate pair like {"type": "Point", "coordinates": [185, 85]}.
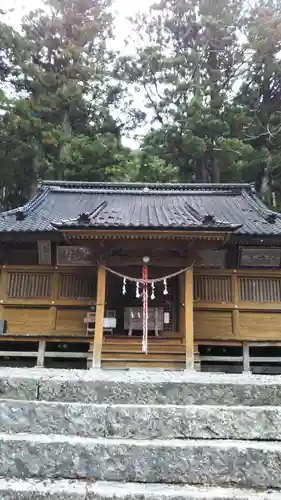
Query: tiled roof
{"type": "Point", "coordinates": [232, 207]}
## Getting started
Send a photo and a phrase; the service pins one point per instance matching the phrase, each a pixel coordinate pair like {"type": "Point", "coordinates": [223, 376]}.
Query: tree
{"type": "Point", "coordinates": [260, 96]}
{"type": "Point", "coordinates": [60, 123]}
{"type": "Point", "coordinates": [187, 63]}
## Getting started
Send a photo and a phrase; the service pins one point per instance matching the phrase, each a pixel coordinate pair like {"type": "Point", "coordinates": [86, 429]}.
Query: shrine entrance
{"type": "Point", "coordinates": [149, 318]}
{"type": "Point", "coordinates": [127, 300]}
{"type": "Point", "coordinates": [144, 296]}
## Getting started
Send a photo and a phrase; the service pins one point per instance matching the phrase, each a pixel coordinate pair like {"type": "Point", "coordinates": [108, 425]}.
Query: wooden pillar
{"type": "Point", "coordinates": [97, 345]}
{"type": "Point", "coordinates": [41, 353]}
{"type": "Point", "coordinates": [4, 279]}
{"type": "Point", "coordinates": [181, 305]}
{"type": "Point", "coordinates": [235, 300]}
{"type": "Point", "coordinates": [55, 280]}
{"type": "Point", "coordinates": [246, 358]}
{"type": "Point", "coordinates": [188, 309]}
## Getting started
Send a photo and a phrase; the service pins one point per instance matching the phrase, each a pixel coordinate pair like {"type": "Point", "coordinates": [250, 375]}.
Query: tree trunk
{"type": "Point", "coordinates": [266, 187]}
{"type": "Point", "coordinates": [64, 146]}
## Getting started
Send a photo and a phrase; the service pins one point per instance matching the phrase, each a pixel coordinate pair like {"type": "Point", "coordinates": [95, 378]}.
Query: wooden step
{"type": "Point", "coordinates": [144, 357]}
{"type": "Point", "coordinates": [126, 353]}
{"type": "Point", "coordinates": [139, 363]}
{"type": "Point", "coordinates": [138, 340]}
{"type": "Point", "coordinates": [138, 348]}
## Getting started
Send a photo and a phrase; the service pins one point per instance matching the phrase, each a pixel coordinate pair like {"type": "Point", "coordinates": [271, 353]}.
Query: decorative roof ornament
{"type": "Point", "coordinates": [84, 218]}
{"type": "Point", "coordinates": [20, 215]}
{"type": "Point", "coordinates": [209, 219]}
{"type": "Point", "coordinates": [271, 217]}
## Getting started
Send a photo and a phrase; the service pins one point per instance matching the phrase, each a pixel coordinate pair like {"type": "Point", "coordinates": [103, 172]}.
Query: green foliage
{"type": "Point", "coordinates": [208, 73]}
{"type": "Point", "coordinates": [59, 125]}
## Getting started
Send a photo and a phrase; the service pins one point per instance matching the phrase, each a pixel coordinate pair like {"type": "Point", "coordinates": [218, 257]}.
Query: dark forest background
{"type": "Point", "coordinates": [209, 74]}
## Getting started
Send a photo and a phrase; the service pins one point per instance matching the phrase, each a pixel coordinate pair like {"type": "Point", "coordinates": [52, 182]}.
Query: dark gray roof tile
{"type": "Point", "coordinates": [128, 205]}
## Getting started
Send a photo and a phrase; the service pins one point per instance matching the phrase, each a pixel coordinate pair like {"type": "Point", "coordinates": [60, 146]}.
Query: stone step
{"type": "Point", "coordinates": [132, 491]}
{"type": "Point", "coordinates": [147, 386]}
{"type": "Point", "coordinates": [15, 489]}
{"type": "Point", "coordinates": [157, 387]}
{"type": "Point", "coordinates": [248, 464]}
{"type": "Point", "coordinates": [141, 421]}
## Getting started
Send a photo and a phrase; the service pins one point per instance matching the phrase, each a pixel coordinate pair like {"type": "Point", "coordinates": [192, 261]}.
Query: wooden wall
{"type": "Point", "coordinates": [237, 305]}
{"type": "Point", "coordinates": [46, 300]}
{"type": "Point", "coordinates": [228, 305]}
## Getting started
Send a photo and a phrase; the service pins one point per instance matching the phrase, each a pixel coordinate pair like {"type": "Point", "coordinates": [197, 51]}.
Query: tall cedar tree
{"type": "Point", "coordinates": [60, 125]}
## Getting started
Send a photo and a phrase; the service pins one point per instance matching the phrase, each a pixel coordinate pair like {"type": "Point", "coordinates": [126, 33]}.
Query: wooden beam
{"type": "Point", "coordinates": [98, 339]}
{"type": "Point", "coordinates": [188, 307]}
{"type": "Point", "coordinates": [152, 234]}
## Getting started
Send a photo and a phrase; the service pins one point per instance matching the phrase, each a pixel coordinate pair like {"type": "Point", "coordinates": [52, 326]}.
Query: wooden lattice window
{"type": "Point", "coordinates": [77, 286]}
{"type": "Point", "coordinates": [260, 289]}
{"type": "Point", "coordinates": [36, 285]}
{"type": "Point", "coordinates": [212, 288]}
{"type": "Point", "coordinates": [170, 308]}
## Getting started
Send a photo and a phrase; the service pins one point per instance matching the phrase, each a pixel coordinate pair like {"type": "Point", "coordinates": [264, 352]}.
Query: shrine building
{"type": "Point", "coordinates": [124, 275]}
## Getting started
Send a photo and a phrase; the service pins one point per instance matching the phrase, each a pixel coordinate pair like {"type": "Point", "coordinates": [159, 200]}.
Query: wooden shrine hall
{"type": "Point", "coordinates": [140, 275]}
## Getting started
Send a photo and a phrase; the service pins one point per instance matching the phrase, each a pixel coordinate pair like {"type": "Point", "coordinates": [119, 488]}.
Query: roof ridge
{"type": "Point", "coordinates": [31, 204]}
{"type": "Point", "coordinates": [263, 210]}
{"type": "Point", "coordinates": [165, 186]}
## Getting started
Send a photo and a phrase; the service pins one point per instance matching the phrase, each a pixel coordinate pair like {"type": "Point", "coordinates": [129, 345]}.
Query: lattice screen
{"type": "Point", "coordinates": [212, 288]}
{"type": "Point", "coordinates": [29, 285]}
{"type": "Point", "coordinates": [77, 286]}
{"type": "Point", "coordinates": [260, 289]}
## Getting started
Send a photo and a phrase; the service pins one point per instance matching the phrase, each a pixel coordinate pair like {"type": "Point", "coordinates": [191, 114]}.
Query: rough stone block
{"type": "Point", "coordinates": [41, 490]}
{"type": "Point", "coordinates": [18, 384]}
{"type": "Point", "coordinates": [38, 417]}
{"type": "Point", "coordinates": [16, 489]}
{"type": "Point", "coordinates": [133, 491]}
{"type": "Point", "coordinates": [193, 422]}
{"type": "Point", "coordinates": [242, 463]}
{"type": "Point", "coordinates": [141, 421]}
{"type": "Point", "coordinates": [145, 387]}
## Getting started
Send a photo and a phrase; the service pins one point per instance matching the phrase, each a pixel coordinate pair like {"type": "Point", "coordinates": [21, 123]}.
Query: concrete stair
{"type": "Point", "coordinates": [139, 435]}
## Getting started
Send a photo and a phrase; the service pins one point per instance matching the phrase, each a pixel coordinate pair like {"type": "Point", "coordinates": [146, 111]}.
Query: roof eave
{"type": "Point", "coordinates": [88, 227]}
